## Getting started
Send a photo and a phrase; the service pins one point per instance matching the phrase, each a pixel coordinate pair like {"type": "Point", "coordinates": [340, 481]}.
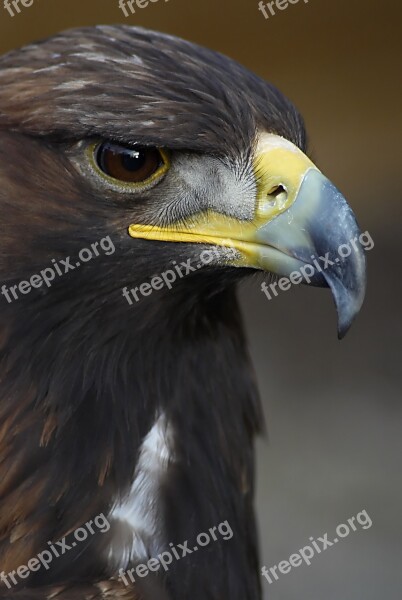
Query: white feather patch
{"type": "Point", "coordinates": [138, 531]}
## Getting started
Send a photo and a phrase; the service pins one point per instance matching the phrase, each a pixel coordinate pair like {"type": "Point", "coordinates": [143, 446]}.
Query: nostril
{"type": "Point", "coordinates": [277, 196]}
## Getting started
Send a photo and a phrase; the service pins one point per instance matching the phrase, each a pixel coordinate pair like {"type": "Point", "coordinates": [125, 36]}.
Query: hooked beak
{"type": "Point", "coordinates": [301, 223]}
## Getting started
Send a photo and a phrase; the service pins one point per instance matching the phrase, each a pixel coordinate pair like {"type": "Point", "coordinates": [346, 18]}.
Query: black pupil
{"type": "Point", "coordinates": [133, 160]}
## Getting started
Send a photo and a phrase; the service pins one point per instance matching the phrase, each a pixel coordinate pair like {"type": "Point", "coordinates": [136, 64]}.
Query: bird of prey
{"type": "Point", "coordinates": [143, 408]}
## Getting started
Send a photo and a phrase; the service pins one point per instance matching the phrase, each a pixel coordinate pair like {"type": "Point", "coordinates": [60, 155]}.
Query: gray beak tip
{"type": "Point", "coordinates": [343, 328]}
{"type": "Point", "coordinates": [348, 303]}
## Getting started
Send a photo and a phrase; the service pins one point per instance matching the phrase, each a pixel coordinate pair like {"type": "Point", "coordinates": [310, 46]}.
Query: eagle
{"type": "Point", "coordinates": [142, 177]}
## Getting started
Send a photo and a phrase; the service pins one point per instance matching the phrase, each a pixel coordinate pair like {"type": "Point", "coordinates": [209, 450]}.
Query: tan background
{"type": "Point", "coordinates": [333, 409]}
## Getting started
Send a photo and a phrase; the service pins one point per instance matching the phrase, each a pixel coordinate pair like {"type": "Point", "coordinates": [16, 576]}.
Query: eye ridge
{"type": "Point", "coordinates": [139, 165]}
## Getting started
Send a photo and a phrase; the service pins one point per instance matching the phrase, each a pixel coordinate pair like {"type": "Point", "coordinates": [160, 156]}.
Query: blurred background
{"type": "Point", "coordinates": [333, 409]}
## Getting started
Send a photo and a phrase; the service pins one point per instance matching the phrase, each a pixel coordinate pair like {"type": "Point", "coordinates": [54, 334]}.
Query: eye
{"type": "Point", "coordinates": [139, 165]}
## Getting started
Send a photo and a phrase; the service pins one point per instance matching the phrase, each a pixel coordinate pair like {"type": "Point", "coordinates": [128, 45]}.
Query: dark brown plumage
{"type": "Point", "coordinates": [84, 375]}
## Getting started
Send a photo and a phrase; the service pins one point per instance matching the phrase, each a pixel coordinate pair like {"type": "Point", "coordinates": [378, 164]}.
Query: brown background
{"type": "Point", "coordinates": [333, 409]}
